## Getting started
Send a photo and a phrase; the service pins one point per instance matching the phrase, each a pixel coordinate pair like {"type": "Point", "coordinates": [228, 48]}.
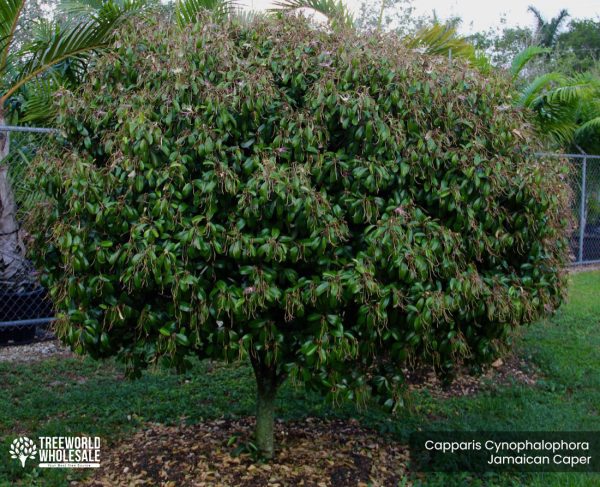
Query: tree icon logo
{"type": "Point", "coordinates": [23, 448]}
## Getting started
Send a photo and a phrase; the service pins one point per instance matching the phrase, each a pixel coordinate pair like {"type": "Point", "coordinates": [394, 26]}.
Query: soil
{"type": "Point", "coordinates": [312, 452]}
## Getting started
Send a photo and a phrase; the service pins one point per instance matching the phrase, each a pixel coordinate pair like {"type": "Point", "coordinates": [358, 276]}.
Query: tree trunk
{"type": "Point", "coordinates": [267, 382]}
{"type": "Point", "coordinates": [13, 265]}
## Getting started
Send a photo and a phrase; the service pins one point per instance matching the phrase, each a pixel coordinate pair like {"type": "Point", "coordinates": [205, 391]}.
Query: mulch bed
{"type": "Point", "coordinates": [503, 371]}
{"type": "Point", "coordinates": [311, 453]}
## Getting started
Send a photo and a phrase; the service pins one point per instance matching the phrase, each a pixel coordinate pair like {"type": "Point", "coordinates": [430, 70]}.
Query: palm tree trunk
{"type": "Point", "coordinates": [12, 250]}
{"type": "Point", "coordinates": [380, 19]}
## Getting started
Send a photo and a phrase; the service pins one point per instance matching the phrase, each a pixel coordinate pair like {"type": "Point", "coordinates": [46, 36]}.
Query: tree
{"type": "Point", "coordinates": [566, 107]}
{"type": "Point", "coordinates": [579, 47]}
{"type": "Point", "coordinates": [546, 32]}
{"type": "Point", "coordinates": [396, 16]}
{"type": "Point", "coordinates": [24, 60]}
{"type": "Point", "coordinates": [328, 207]}
{"type": "Point", "coordinates": [435, 39]}
{"type": "Point", "coordinates": [503, 45]}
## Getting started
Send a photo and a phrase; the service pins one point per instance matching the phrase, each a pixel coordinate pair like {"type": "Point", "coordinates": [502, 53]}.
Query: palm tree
{"type": "Point", "coordinates": [546, 32]}
{"type": "Point", "coordinates": [31, 66]}
{"type": "Point", "coordinates": [566, 108]}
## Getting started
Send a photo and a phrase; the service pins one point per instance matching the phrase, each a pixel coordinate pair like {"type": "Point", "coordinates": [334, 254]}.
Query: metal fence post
{"type": "Point", "coordinates": [582, 210]}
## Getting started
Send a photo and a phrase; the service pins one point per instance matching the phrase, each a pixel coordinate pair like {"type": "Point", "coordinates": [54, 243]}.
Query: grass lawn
{"type": "Point", "coordinates": [65, 397]}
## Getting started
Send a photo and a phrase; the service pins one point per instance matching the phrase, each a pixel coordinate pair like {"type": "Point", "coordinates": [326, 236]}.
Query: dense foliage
{"type": "Point", "coordinates": [335, 206]}
{"type": "Point", "coordinates": [579, 47]}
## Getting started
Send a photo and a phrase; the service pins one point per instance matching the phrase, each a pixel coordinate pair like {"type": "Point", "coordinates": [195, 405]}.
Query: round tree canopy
{"type": "Point", "coordinates": [331, 205]}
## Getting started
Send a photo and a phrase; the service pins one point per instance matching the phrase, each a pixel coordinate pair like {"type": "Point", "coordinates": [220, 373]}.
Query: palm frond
{"type": "Point", "coordinates": [10, 10]}
{"type": "Point", "coordinates": [592, 125]}
{"type": "Point", "coordinates": [78, 41]}
{"type": "Point", "coordinates": [443, 40]}
{"type": "Point", "coordinates": [587, 134]}
{"type": "Point", "coordinates": [538, 17]}
{"type": "Point", "coordinates": [336, 11]}
{"type": "Point", "coordinates": [533, 89]}
{"type": "Point", "coordinates": [555, 23]}
{"type": "Point", "coordinates": [246, 17]}
{"type": "Point", "coordinates": [577, 88]}
{"type": "Point", "coordinates": [78, 8]}
{"type": "Point", "coordinates": [560, 132]}
{"type": "Point", "coordinates": [555, 121]}
{"type": "Point", "coordinates": [524, 57]}
{"type": "Point", "coordinates": [42, 30]}
{"type": "Point", "coordinates": [187, 11]}
{"type": "Point", "coordinates": [39, 105]}
{"type": "Point", "coordinates": [103, 10]}
{"type": "Point", "coordinates": [589, 109]}
{"type": "Point", "coordinates": [75, 43]}
{"type": "Point", "coordinates": [113, 12]}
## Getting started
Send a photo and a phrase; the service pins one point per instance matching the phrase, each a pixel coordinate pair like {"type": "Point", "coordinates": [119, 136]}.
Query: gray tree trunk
{"type": "Point", "coordinates": [13, 265]}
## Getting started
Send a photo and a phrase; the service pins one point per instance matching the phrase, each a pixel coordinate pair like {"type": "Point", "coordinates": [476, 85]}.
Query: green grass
{"type": "Point", "coordinates": [71, 396]}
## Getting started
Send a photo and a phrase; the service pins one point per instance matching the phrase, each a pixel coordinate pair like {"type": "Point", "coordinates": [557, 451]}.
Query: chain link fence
{"type": "Point", "coordinates": [25, 307]}
{"type": "Point", "coordinates": [585, 183]}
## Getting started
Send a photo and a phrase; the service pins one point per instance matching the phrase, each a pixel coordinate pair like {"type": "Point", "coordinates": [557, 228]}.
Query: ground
{"type": "Point", "coordinates": [195, 429]}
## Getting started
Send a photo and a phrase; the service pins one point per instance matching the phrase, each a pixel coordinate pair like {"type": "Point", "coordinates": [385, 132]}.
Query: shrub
{"type": "Point", "coordinates": [331, 206]}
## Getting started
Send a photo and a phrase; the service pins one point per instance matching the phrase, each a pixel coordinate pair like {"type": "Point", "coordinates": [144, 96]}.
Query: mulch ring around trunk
{"type": "Point", "coordinates": [312, 452]}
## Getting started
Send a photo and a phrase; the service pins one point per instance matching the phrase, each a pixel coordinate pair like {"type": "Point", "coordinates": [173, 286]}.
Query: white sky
{"type": "Point", "coordinates": [480, 15]}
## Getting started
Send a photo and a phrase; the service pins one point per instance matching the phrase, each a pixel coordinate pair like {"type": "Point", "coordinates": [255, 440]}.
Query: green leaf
{"type": "Point", "coordinates": [182, 339]}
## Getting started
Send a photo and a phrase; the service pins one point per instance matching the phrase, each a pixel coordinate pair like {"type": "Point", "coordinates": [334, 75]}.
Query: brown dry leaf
{"type": "Point", "coordinates": [339, 454]}
{"type": "Point", "coordinates": [311, 453]}
{"type": "Point", "coordinates": [498, 363]}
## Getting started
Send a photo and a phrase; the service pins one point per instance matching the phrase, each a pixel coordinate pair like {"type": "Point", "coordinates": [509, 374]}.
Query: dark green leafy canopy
{"type": "Point", "coordinates": [335, 203]}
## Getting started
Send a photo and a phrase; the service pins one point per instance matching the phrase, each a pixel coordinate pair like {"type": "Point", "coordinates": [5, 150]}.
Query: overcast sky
{"type": "Point", "coordinates": [480, 15]}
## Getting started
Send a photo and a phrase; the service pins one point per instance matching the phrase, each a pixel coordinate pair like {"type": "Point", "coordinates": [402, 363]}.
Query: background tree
{"type": "Point", "coordinates": [329, 207]}
{"type": "Point", "coordinates": [566, 106]}
{"type": "Point", "coordinates": [502, 46]}
{"type": "Point", "coordinates": [556, 75]}
{"type": "Point", "coordinates": [578, 48]}
{"type": "Point", "coordinates": [546, 32]}
{"type": "Point", "coordinates": [397, 16]}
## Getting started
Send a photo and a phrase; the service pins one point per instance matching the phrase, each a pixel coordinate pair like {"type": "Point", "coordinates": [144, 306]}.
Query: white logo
{"type": "Point", "coordinates": [58, 451]}
{"type": "Point", "coordinates": [23, 448]}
